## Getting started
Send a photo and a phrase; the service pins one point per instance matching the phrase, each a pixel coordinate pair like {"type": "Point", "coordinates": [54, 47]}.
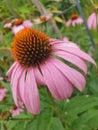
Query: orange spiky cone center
{"type": "Point", "coordinates": [73, 16]}
{"type": "Point", "coordinates": [18, 22]}
{"type": "Point", "coordinates": [31, 47]}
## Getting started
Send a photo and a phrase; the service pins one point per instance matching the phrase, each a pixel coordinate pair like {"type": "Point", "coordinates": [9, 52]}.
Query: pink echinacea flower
{"type": "Point", "coordinates": [37, 63]}
{"type": "Point", "coordinates": [19, 25]}
{"type": "Point", "coordinates": [42, 19]}
{"type": "Point", "coordinates": [92, 21]}
{"type": "Point", "coordinates": [74, 19]}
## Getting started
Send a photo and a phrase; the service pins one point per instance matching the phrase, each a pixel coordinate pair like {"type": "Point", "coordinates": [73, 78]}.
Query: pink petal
{"type": "Point", "coordinates": [73, 23]}
{"type": "Point", "coordinates": [22, 90]}
{"type": "Point", "coordinates": [97, 19]}
{"type": "Point", "coordinates": [68, 22]}
{"type": "Point", "coordinates": [31, 93]}
{"type": "Point", "coordinates": [9, 73]}
{"type": "Point", "coordinates": [90, 20]}
{"type": "Point", "coordinates": [95, 22]}
{"type": "Point", "coordinates": [73, 59]}
{"type": "Point", "coordinates": [71, 74]}
{"type": "Point", "coordinates": [27, 24]}
{"type": "Point", "coordinates": [15, 82]}
{"type": "Point", "coordinates": [56, 82]}
{"type": "Point", "coordinates": [38, 76]}
{"type": "Point", "coordinates": [76, 52]}
{"type": "Point", "coordinates": [16, 29]}
{"type": "Point", "coordinates": [21, 86]}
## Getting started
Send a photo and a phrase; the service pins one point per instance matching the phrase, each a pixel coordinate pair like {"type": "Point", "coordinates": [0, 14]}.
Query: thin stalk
{"type": "Point", "coordinates": [10, 8]}
{"type": "Point", "coordinates": [64, 11]}
{"type": "Point", "coordinates": [85, 23]}
{"type": "Point", "coordinates": [57, 111]}
{"type": "Point", "coordinates": [97, 21]}
{"type": "Point", "coordinates": [43, 11]}
{"type": "Point", "coordinates": [15, 119]}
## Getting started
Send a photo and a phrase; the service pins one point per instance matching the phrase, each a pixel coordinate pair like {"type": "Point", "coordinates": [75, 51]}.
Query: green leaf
{"type": "Point", "coordinates": [76, 106]}
{"type": "Point", "coordinates": [56, 124]}
{"type": "Point", "coordinates": [79, 104]}
{"type": "Point", "coordinates": [94, 85]}
{"type": "Point", "coordinates": [16, 125]}
{"type": "Point", "coordinates": [87, 119]}
{"type": "Point", "coordinates": [42, 121]}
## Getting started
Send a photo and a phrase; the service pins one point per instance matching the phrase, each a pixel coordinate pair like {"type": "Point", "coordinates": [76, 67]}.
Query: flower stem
{"type": "Point", "coordinates": [10, 8]}
{"type": "Point", "coordinates": [97, 20]}
{"type": "Point", "coordinates": [85, 23]}
{"type": "Point", "coordinates": [15, 119]}
{"type": "Point", "coordinates": [57, 111]}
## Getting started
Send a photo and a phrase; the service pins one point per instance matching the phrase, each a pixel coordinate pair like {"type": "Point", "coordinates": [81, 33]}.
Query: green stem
{"type": "Point", "coordinates": [10, 9]}
{"type": "Point", "coordinates": [57, 111]}
{"type": "Point", "coordinates": [97, 20]}
{"type": "Point", "coordinates": [15, 119]}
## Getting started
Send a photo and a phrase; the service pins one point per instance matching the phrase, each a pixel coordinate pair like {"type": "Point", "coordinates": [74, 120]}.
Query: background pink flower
{"type": "Point", "coordinates": [16, 29]}
{"type": "Point", "coordinates": [27, 24]}
{"type": "Point", "coordinates": [37, 63]}
{"type": "Point", "coordinates": [16, 111]}
{"type": "Point", "coordinates": [92, 21]}
{"type": "Point", "coordinates": [42, 19]}
{"type": "Point", "coordinates": [74, 19]}
{"type": "Point", "coordinates": [19, 25]}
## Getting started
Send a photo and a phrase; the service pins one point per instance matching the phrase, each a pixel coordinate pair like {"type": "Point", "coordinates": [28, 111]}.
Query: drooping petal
{"type": "Point", "coordinates": [21, 86]}
{"type": "Point", "coordinates": [22, 90]}
{"type": "Point", "coordinates": [15, 82]}
{"type": "Point", "coordinates": [31, 93]}
{"type": "Point", "coordinates": [91, 20]}
{"type": "Point", "coordinates": [16, 29]}
{"type": "Point", "coordinates": [95, 22]}
{"type": "Point", "coordinates": [56, 82]}
{"type": "Point", "coordinates": [73, 59]}
{"type": "Point", "coordinates": [27, 24]}
{"type": "Point", "coordinates": [72, 75]}
{"type": "Point", "coordinates": [68, 22]}
{"type": "Point", "coordinates": [11, 70]}
{"type": "Point", "coordinates": [38, 76]}
{"type": "Point", "coordinates": [75, 51]}
{"type": "Point", "coordinates": [68, 43]}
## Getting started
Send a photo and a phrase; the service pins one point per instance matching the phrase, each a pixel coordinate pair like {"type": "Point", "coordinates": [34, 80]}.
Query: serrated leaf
{"type": "Point", "coordinates": [42, 121]}
{"type": "Point", "coordinates": [80, 104]}
{"type": "Point", "coordinates": [16, 124]}
{"type": "Point", "coordinates": [56, 124]}
{"type": "Point", "coordinates": [85, 120]}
